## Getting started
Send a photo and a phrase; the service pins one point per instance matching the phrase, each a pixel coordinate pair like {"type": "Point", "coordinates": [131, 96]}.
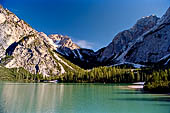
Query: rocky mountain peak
{"type": "Point", "coordinates": [63, 41]}
{"type": "Point", "coordinates": [124, 39]}
{"type": "Point", "coordinates": [58, 37]}
{"type": "Point", "coordinates": [144, 24]}
{"type": "Point", "coordinates": [152, 45]}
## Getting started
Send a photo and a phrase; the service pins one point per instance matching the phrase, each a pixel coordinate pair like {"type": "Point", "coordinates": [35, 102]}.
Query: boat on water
{"type": "Point", "coordinates": [137, 85]}
{"type": "Point", "coordinates": [51, 81]}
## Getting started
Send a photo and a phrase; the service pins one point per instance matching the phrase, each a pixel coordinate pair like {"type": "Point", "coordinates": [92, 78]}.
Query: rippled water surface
{"type": "Point", "coordinates": [78, 98]}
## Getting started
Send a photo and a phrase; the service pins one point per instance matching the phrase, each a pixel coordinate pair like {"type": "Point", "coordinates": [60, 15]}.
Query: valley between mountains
{"type": "Point", "coordinates": [141, 53]}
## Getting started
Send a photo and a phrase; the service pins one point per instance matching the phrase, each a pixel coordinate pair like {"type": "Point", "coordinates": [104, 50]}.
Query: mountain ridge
{"type": "Point", "coordinates": [23, 46]}
{"type": "Point", "coordinates": [115, 52]}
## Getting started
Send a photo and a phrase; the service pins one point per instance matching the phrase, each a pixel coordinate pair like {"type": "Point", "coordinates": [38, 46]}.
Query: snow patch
{"type": "Point", "coordinates": [66, 54]}
{"type": "Point", "coordinates": [62, 69]}
{"type": "Point", "coordinates": [59, 59]}
{"type": "Point", "coordinates": [167, 62]}
{"type": "Point", "coordinates": [80, 56]}
{"type": "Point", "coordinates": [134, 65]}
{"type": "Point", "coordinates": [165, 57]}
{"type": "Point", "coordinates": [74, 54]}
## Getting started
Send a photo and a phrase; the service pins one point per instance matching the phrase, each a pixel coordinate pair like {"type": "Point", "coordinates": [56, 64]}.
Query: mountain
{"type": "Point", "coordinates": [145, 44]}
{"type": "Point", "coordinates": [152, 46]}
{"type": "Point", "coordinates": [125, 38]}
{"type": "Point", "coordinates": [71, 51]}
{"type": "Point", "coordinates": [22, 46]}
{"type": "Point", "coordinates": [133, 46]}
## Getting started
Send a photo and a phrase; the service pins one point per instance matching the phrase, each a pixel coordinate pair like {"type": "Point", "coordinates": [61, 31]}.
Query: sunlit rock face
{"type": "Point", "coordinates": [32, 54]}
{"type": "Point", "coordinates": [153, 45]}
{"type": "Point", "coordinates": [148, 41]}
{"type": "Point", "coordinates": [125, 38]}
{"type": "Point", "coordinates": [63, 41]}
{"type": "Point", "coordinates": [27, 47]}
{"type": "Point", "coordinates": [2, 18]}
{"type": "Point", "coordinates": [12, 29]}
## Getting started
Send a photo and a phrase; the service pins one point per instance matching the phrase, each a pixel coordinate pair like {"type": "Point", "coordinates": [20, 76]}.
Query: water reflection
{"type": "Point", "coordinates": [44, 98]}
{"type": "Point", "coordinates": [78, 98]}
{"type": "Point", "coordinates": [23, 98]}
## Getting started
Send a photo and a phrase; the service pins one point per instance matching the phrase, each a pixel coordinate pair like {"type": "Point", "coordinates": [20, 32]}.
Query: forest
{"type": "Point", "coordinates": [155, 80]}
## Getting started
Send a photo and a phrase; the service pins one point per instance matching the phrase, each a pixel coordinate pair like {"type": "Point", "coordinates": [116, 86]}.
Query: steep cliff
{"type": "Point", "coordinates": [153, 45]}
{"type": "Point", "coordinates": [125, 38]}
{"type": "Point", "coordinates": [22, 46]}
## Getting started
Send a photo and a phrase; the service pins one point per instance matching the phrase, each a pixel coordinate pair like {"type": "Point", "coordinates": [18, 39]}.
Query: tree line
{"type": "Point", "coordinates": [156, 80]}
{"type": "Point", "coordinates": [105, 75]}
{"type": "Point", "coordinates": [159, 82]}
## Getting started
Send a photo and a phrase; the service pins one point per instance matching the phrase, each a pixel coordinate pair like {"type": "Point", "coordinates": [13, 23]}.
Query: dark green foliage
{"type": "Point", "coordinates": [105, 75]}
{"type": "Point", "coordinates": [19, 74]}
{"type": "Point", "coordinates": [6, 74]}
{"type": "Point", "coordinates": [160, 82]}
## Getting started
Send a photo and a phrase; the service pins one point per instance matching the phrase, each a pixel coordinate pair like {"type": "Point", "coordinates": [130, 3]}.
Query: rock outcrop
{"type": "Point", "coordinates": [12, 29]}
{"type": "Point", "coordinates": [63, 41]}
{"type": "Point", "coordinates": [22, 46]}
{"type": "Point", "coordinates": [152, 45]}
{"type": "Point", "coordinates": [85, 58]}
{"type": "Point", "coordinates": [147, 42]}
{"type": "Point", "coordinates": [124, 39]}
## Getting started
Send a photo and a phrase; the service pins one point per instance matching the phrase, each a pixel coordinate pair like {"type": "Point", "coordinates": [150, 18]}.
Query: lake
{"type": "Point", "coordinates": [78, 98]}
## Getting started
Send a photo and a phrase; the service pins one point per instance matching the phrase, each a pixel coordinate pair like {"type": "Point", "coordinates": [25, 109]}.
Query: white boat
{"type": "Point", "coordinates": [53, 81]}
{"type": "Point", "coordinates": [139, 83]}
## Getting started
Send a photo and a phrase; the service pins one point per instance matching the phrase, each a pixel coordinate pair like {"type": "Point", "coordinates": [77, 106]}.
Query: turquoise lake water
{"type": "Point", "coordinates": [78, 98]}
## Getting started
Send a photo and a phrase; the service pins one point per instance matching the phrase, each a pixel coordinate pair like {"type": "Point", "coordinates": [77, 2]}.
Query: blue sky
{"type": "Point", "coordinates": [90, 23]}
